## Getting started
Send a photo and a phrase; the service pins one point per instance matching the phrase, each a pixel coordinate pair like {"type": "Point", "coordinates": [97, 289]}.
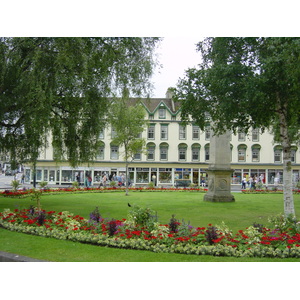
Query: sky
{"type": "Point", "coordinates": [176, 54]}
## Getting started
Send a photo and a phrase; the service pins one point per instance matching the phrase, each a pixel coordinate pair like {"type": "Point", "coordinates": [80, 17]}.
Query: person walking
{"type": "Point", "coordinates": [244, 183]}
{"type": "Point", "coordinates": [104, 179]}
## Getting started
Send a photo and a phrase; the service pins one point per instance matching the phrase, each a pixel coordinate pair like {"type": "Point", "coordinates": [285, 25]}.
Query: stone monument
{"type": "Point", "coordinates": [219, 170]}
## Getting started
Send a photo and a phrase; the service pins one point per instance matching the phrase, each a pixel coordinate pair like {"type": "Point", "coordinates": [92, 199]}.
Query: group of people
{"type": "Point", "coordinates": [103, 180]}
{"type": "Point", "coordinates": [252, 181]}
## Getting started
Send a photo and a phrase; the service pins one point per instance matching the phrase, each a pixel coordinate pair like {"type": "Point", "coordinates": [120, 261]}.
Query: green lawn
{"type": "Point", "coordinates": [185, 205]}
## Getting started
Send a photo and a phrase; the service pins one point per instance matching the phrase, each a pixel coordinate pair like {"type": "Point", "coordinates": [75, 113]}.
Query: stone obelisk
{"type": "Point", "coordinates": [219, 171]}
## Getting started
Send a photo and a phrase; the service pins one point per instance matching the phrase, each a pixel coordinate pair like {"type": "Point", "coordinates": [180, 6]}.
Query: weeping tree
{"type": "Point", "coordinates": [127, 118]}
{"type": "Point", "coordinates": [245, 83]}
{"type": "Point", "coordinates": [56, 90]}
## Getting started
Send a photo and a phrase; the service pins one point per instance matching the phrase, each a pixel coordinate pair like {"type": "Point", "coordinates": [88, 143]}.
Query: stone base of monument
{"type": "Point", "coordinates": [219, 185]}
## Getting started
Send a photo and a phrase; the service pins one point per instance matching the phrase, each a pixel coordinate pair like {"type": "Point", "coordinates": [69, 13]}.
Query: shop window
{"type": "Point", "coordinates": [165, 175]}
{"type": "Point", "coordinates": [142, 175]}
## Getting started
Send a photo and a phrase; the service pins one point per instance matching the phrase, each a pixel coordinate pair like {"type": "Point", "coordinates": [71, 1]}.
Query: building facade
{"type": "Point", "coordinates": [175, 152]}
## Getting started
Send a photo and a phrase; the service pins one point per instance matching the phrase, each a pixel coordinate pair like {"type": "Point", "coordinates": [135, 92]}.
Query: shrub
{"type": "Point", "coordinates": [36, 196]}
{"type": "Point", "coordinates": [15, 184]}
{"type": "Point", "coordinates": [96, 216]}
{"type": "Point", "coordinates": [142, 216]}
{"type": "Point", "coordinates": [75, 184]}
{"type": "Point", "coordinates": [284, 223]}
{"type": "Point", "coordinates": [113, 183]}
{"type": "Point", "coordinates": [211, 234]}
{"type": "Point", "coordinates": [259, 227]}
{"type": "Point", "coordinates": [151, 185]}
{"type": "Point", "coordinates": [43, 184]}
{"type": "Point", "coordinates": [173, 225]}
{"type": "Point", "coordinates": [112, 227]}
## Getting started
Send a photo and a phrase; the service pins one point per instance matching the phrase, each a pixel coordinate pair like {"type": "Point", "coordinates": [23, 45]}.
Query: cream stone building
{"type": "Point", "coordinates": [175, 154]}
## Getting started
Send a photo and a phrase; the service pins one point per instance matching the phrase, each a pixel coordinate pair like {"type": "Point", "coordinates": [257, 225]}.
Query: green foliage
{"type": "Point", "coordinates": [142, 216]}
{"type": "Point", "coordinates": [62, 85]}
{"type": "Point", "coordinates": [36, 196]}
{"type": "Point", "coordinates": [128, 120]}
{"type": "Point", "coordinates": [249, 82]}
{"type": "Point", "coordinates": [43, 184]}
{"type": "Point", "coordinates": [151, 185]}
{"type": "Point", "coordinates": [127, 117]}
{"type": "Point", "coordinates": [245, 83]}
{"type": "Point", "coordinates": [284, 223]}
{"type": "Point", "coordinates": [15, 184]}
{"type": "Point", "coordinates": [75, 184]}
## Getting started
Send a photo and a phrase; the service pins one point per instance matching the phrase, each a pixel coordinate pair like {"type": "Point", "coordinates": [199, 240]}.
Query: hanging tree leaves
{"type": "Point", "coordinates": [59, 87]}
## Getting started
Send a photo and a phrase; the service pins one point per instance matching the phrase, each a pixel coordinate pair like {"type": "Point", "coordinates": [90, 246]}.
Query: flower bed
{"type": "Point", "coordinates": [255, 241]}
{"type": "Point", "coordinates": [54, 191]}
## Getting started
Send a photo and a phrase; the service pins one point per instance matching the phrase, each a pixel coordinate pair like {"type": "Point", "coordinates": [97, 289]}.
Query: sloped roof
{"type": "Point", "coordinates": [152, 104]}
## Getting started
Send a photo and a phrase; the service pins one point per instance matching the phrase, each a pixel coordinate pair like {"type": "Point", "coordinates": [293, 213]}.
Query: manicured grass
{"type": "Point", "coordinates": [185, 205]}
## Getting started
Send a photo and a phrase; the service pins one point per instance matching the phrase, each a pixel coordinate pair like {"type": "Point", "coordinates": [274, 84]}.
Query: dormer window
{"type": "Point", "coordinates": [162, 113]}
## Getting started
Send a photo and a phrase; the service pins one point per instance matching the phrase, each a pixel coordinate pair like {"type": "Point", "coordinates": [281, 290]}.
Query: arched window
{"type": "Point", "coordinates": [182, 152]}
{"type": "Point", "coordinates": [196, 152]}
{"type": "Point", "coordinates": [151, 151]}
{"type": "Point", "coordinates": [114, 152]}
{"type": "Point", "coordinates": [256, 152]}
{"type": "Point", "coordinates": [242, 152]}
{"type": "Point", "coordinates": [163, 149]}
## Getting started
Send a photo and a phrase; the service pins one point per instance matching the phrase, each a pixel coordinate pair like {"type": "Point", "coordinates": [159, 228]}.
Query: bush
{"type": "Point", "coordinates": [43, 184]}
{"type": "Point", "coordinates": [113, 183]}
{"type": "Point", "coordinates": [15, 184]}
{"type": "Point", "coordinates": [173, 225]}
{"type": "Point", "coordinates": [75, 184]}
{"type": "Point", "coordinates": [142, 216]}
{"type": "Point", "coordinates": [151, 185]}
{"type": "Point", "coordinates": [211, 234]}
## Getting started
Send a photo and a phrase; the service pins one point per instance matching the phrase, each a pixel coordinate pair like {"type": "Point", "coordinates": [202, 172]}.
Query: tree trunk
{"type": "Point", "coordinates": [126, 178]}
{"type": "Point", "coordinates": [34, 174]}
{"type": "Point", "coordinates": [287, 183]}
{"type": "Point", "coordinates": [289, 208]}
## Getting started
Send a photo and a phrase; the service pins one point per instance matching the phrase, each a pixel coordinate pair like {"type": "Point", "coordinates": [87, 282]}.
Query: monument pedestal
{"type": "Point", "coordinates": [219, 186]}
{"type": "Point", "coordinates": [219, 171]}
